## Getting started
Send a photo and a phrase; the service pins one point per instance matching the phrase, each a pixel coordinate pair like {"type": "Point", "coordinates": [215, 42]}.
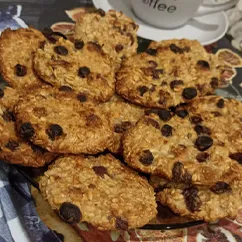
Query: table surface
{"type": "Point", "coordinates": [44, 13]}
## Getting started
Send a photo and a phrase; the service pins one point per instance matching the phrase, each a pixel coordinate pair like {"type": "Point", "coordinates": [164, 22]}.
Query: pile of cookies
{"type": "Point", "coordinates": [77, 105]}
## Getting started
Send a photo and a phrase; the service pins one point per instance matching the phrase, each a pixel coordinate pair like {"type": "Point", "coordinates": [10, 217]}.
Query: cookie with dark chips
{"type": "Point", "coordinates": [13, 149]}
{"type": "Point", "coordinates": [122, 115]}
{"type": "Point", "coordinates": [167, 75]}
{"type": "Point", "coordinates": [192, 145]}
{"type": "Point", "coordinates": [60, 122]}
{"type": "Point", "coordinates": [101, 191]}
{"type": "Point", "coordinates": [87, 71]}
{"type": "Point", "coordinates": [114, 31]}
{"type": "Point", "coordinates": [17, 48]}
{"type": "Point", "coordinates": [208, 203]}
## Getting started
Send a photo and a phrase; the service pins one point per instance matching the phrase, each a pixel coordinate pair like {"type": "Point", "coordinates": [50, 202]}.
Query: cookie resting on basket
{"type": "Point", "coordinates": [196, 144]}
{"type": "Point", "coordinates": [173, 72]}
{"type": "Point", "coordinates": [101, 191]}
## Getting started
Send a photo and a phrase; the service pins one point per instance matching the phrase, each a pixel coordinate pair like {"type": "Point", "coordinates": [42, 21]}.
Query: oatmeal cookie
{"type": "Point", "coordinates": [208, 203]}
{"type": "Point", "coordinates": [114, 31]}
{"type": "Point", "coordinates": [187, 145]}
{"type": "Point", "coordinates": [122, 116]}
{"type": "Point", "coordinates": [163, 77]}
{"type": "Point", "coordinates": [13, 149]}
{"type": "Point", "coordinates": [62, 122]}
{"type": "Point", "coordinates": [81, 67]}
{"type": "Point", "coordinates": [16, 57]}
{"type": "Point", "coordinates": [101, 191]}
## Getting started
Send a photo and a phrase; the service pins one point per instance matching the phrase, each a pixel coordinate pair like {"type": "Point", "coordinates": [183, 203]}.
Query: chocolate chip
{"type": "Point", "coordinates": [42, 44]}
{"type": "Point", "coordinates": [214, 82]}
{"type": "Point", "coordinates": [221, 187]}
{"type": "Point", "coordinates": [220, 103]}
{"type": "Point", "coordinates": [236, 156]}
{"type": "Point", "coordinates": [189, 93]}
{"type": "Point", "coordinates": [146, 158]}
{"type": "Point", "coordinates": [182, 113]}
{"type": "Point", "coordinates": [93, 46]}
{"type": "Point", "coordinates": [83, 71]}
{"type": "Point", "coordinates": [65, 89]}
{"type": "Point", "coordinates": [8, 116]}
{"type": "Point", "coordinates": [122, 127]}
{"type": "Point", "coordinates": [196, 119]}
{"type": "Point", "coordinates": [100, 12]}
{"type": "Point", "coordinates": [26, 131]}
{"type": "Point", "coordinates": [202, 130]}
{"type": "Point", "coordinates": [20, 70]}
{"type": "Point", "coordinates": [152, 122]}
{"type": "Point", "coordinates": [37, 148]}
{"type": "Point", "coordinates": [179, 174]}
{"type": "Point", "coordinates": [79, 44]}
{"type": "Point", "coordinates": [163, 83]}
{"type": "Point", "coordinates": [93, 120]}
{"type": "Point", "coordinates": [54, 131]}
{"type": "Point", "coordinates": [164, 115]}
{"type": "Point", "coordinates": [12, 145]}
{"type": "Point", "coordinates": [202, 157]}
{"type": "Point", "coordinates": [121, 224]}
{"type": "Point", "coordinates": [176, 83]}
{"type": "Point", "coordinates": [203, 143]}
{"type": "Point", "coordinates": [100, 170]}
{"type": "Point", "coordinates": [70, 213]}
{"type": "Point", "coordinates": [61, 50]}
{"type": "Point", "coordinates": [192, 199]}
{"type": "Point", "coordinates": [1, 93]}
{"type": "Point", "coordinates": [153, 64]}
{"type": "Point", "coordinates": [203, 64]}
{"type": "Point", "coordinates": [174, 48]}
{"type": "Point", "coordinates": [143, 90]}
{"type": "Point", "coordinates": [156, 73]}
{"type": "Point", "coordinates": [217, 114]}
{"type": "Point", "coordinates": [59, 235]}
{"type": "Point", "coordinates": [131, 38]}
{"type": "Point", "coordinates": [119, 48]}
{"type": "Point", "coordinates": [152, 52]}
{"type": "Point", "coordinates": [81, 97]}
{"type": "Point", "coordinates": [166, 130]}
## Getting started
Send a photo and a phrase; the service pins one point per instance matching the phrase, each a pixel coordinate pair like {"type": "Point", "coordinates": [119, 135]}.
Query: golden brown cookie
{"type": "Point", "coordinates": [13, 149]}
{"type": "Point", "coordinates": [167, 76]}
{"type": "Point", "coordinates": [100, 191]}
{"type": "Point", "coordinates": [17, 48]}
{"type": "Point", "coordinates": [209, 203]}
{"type": "Point", "coordinates": [62, 122]}
{"type": "Point", "coordinates": [189, 145]}
{"type": "Point", "coordinates": [122, 116]}
{"type": "Point", "coordinates": [83, 68]}
{"type": "Point", "coordinates": [114, 31]}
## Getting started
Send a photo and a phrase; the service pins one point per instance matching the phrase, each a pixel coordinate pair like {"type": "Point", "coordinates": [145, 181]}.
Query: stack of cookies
{"type": "Point", "coordinates": [75, 106]}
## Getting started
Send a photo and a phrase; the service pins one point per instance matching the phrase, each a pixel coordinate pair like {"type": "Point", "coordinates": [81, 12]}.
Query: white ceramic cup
{"type": "Point", "coordinates": [174, 13]}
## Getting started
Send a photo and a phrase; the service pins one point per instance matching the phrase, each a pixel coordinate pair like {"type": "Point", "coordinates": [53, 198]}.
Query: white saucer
{"type": "Point", "coordinates": [207, 29]}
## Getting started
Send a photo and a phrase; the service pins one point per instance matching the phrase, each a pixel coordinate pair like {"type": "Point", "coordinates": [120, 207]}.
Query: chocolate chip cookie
{"type": "Point", "coordinates": [168, 75]}
{"type": "Point", "coordinates": [62, 122]}
{"type": "Point", "coordinates": [84, 69]}
{"type": "Point", "coordinates": [114, 31]}
{"type": "Point", "coordinates": [101, 191]}
{"type": "Point", "coordinates": [122, 116]}
{"type": "Point", "coordinates": [13, 149]}
{"type": "Point", "coordinates": [187, 145]}
{"type": "Point", "coordinates": [209, 203]}
{"type": "Point", "coordinates": [16, 57]}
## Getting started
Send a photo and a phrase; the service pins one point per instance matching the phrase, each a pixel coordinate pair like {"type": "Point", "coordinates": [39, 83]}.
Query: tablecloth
{"type": "Point", "coordinates": [19, 220]}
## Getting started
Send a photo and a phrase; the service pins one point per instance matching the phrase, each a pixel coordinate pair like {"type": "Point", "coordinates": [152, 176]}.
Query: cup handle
{"type": "Point", "coordinates": [206, 9]}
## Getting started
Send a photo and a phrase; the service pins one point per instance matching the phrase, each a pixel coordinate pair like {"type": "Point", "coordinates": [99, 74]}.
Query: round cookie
{"type": "Point", "coordinates": [16, 57]}
{"type": "Point", "coordinates": [101, 191]}
{"type": "Point", "coordinates": [163, 77]}
{"type": "Point", "coordinates": [81, 67]}
{"type": "Point", "coordinates": [13, 149]}
{"type": "Point", "coordinates": [208, 203]}
{"type": "Point", "coordinates": [122, 116]}
{"type": "Point", "coordinates": [184, 146]}
{"type": "Point", "coordinates": [114, 31]}
{"type": "Point", "coordinates": [61, 122]}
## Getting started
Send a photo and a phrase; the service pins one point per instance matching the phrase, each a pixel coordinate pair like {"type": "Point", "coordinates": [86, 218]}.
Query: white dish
{"type": "Point", "coordinates": [207, 29]}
